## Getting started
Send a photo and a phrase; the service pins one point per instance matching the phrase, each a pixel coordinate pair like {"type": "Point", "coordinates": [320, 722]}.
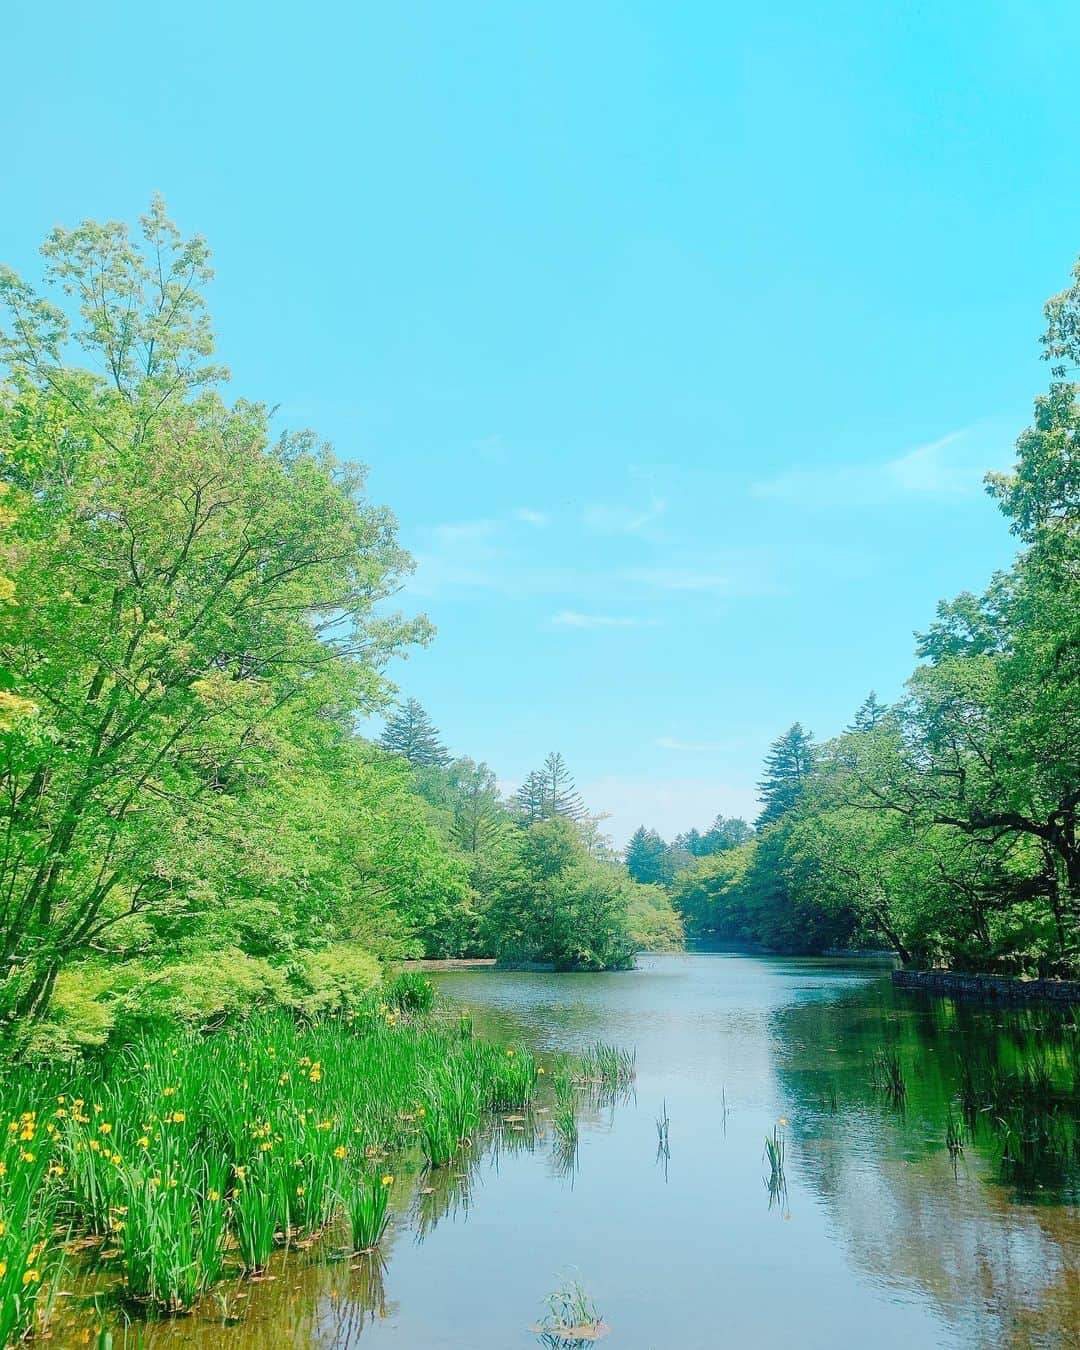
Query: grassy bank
{"type": "Point", "coordinates": [186, 1158]}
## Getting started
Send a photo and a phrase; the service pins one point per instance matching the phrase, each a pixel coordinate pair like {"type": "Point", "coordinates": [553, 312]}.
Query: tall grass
{"type": "Point", "coordinates": [193, 1154]}
{"type": "Point", "coordinates": [367, 1204]}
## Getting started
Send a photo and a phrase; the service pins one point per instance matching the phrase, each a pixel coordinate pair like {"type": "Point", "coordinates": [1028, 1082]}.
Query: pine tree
{"type": "Point", "coordinates": [647, 858]}
{"type": "Point", "coordinates": [549, 792]}
{"type": "Point", "coordinates": [870, 713]}
{"type": "Point", "coordinates": [411, 732]}
{"type": "Point", "coordinates": [787, 766]}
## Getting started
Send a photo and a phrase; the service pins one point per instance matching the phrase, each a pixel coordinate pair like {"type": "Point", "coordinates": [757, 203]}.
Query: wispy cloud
{"type": "Point", "coordinates": [930, 470]}
{"type": "Point", "coordinates": [677, 578]}
{"type": "Point", "coordinates": [618, 518]}
{"type": "Point", "coordinates": [537, 519]}
{"type": "Point", "coordinates": [463, 532]}
{"type": "Point", "coordinates": [570, 618]}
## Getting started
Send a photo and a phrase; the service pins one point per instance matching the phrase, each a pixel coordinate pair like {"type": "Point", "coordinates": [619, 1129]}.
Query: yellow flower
{"type": "Point", "coordinates": [266, 1147]}
{"type": "Point", "coordinates": [325, 1125]}
{"type": "Point", "coordinates": [340, 1151]}
{"type": "Point", "coordinates": [213, 1195]}
{"type": "Point", "coordinates": [168, 1092]}
{"type": "Point", "coordinates": [178, 1117]}
{"type": "Point", "coordinates": [29, 1276]}
{"type": "Point", "coordinates": [510, 1053]}
{"type": "Point", "coordinates": [26, 1157]}
{"type": "Point", "coordinates": [3, 1269]}
{"type": "Point", "coordinates": [388, 1180]}
{"type": "Point", "coordinates": [539, 1068]}
{"type": "Point", "coordinates": [143, 1141]}
{"type": "Point", "coordinates": [299, 1190]}
{"type": "Point", "coordinates": [241, 1172]}
{"type": "Point", "coordinates": [105, 1128]}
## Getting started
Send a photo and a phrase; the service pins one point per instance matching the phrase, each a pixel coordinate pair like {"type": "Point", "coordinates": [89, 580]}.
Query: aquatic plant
{"type": "Point", "coordinates": [663, 1124]}
{"type": "Point", "coordinates": [774, 1154]}
{"type": "Point", "coordinates": [366, 1202]}
{"type": "Point", "coordinates": [607, 1066]}
{"type": "Point", "coordinates": [887, 1077]}
{"type": "Point", "coordinates": [954, 1134]}
{"type": "Point", "coordinates": [572, 1317]}
{"type": "Point", "coordinates": [410, 992]}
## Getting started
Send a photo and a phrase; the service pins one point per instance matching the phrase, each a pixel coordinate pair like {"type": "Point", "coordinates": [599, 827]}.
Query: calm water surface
{"type": "Point", "coordinates": [880, 1240]}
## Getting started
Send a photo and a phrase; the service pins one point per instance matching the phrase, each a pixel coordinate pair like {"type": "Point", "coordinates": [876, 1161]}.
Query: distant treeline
{"type": "Point", "coordinates": [945, 826]}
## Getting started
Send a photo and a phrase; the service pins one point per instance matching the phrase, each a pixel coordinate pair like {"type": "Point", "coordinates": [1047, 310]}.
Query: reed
{"type": "Point", "coordinates": [366, 1201]}
{"type": "Point", "coordinates": [182, 1147]}
{"type": "Point", "coordinates": [887, 1077]}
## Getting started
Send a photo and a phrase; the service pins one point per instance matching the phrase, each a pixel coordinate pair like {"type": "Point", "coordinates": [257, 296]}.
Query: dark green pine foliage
{"type": "Point", "coordinates": [549, 792]}
{"type": "Point", "coordinates": [647, 858]}
{"type": "Point", "coordinates": [787, 766]}
{"type": "Point", "coordinates": [410, 732]}
{"type": "Point", "coordinates": [871, 713]}
{"type": "Point", "coordinates": [725, 832]}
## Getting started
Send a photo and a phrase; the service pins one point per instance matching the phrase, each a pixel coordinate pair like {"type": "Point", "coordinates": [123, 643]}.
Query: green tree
{"type": "Point", "coordinates": [185, 595]}
{"type": "Point", "coordinates": [410, 732]}
{"type": "Point", "coordinates": [647, 858]}
{"type": "Point", "coordinates": [548, 792]}
{"type": "Point", "coordinates": [788, 765]}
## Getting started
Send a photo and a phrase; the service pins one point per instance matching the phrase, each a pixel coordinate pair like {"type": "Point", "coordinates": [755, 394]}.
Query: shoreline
{"type": "Point", "coordinates": [988, 988]}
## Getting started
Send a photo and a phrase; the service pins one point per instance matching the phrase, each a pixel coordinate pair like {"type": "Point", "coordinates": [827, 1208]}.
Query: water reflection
{"type": "Point", "coordinates": [874, 1229]}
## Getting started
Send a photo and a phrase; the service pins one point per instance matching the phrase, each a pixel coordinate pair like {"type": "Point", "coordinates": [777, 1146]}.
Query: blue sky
{"type": "Point", "coordinates": [678, 337]}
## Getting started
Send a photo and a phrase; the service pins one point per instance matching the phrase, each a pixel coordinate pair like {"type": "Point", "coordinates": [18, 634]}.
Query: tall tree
{"type": "Point", "coordinates": [188, 597]}
{"type": "Point", "coordinates": [788, 765]}
{"type": "Point", "coordinates": [410, 732]}
{"type": "Point", "coordinates": [548, 792]}
{"type": "Point", "coordinates": [647, 858]}
{"type": "Point", "coordinates": [871, 713]}
{"type": "Point", "coordinates": [479, 816]}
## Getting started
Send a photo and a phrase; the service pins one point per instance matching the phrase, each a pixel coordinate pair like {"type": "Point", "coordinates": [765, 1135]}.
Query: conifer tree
{"type": "Point", "coordinates": [647, 857]}
{"type": "Point", "coordinates": [549, 792]}
{"type": "Point", "coordinates": [871, 712]}
{"type": "Point", "coordinates": [787, 766]}
{"type": "Point", "coordinates": [410, 732]}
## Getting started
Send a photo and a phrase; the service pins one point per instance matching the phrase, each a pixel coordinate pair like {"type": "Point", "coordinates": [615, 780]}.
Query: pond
{"type": "Point", "coordinates": [875, 1233]}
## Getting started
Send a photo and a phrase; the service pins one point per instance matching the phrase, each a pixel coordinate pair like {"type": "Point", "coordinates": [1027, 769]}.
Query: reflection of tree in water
{"type": "Point", "coordinates": [998, 1250]}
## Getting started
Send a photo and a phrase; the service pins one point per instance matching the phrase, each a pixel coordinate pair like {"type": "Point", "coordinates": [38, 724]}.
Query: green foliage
{"type": "Point", "coordinates": [947, 827]}
{"type": "Point", "coordinates": [549, 791]}
{"type": "Point", "coordinates": [186, 1145]}
{"type": "Point", "coordinates": [788, 765]}
{"type": "Point", "coordinates": [654, 924]}
{"type": "Point", "coordinates": [647, 858]}
{"type": "Point", "coordinates": [557, 904]}
{"type": "Point", "coordinates": [411, 733]}
{"type": "Point", "coordinates": [188, 628]}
